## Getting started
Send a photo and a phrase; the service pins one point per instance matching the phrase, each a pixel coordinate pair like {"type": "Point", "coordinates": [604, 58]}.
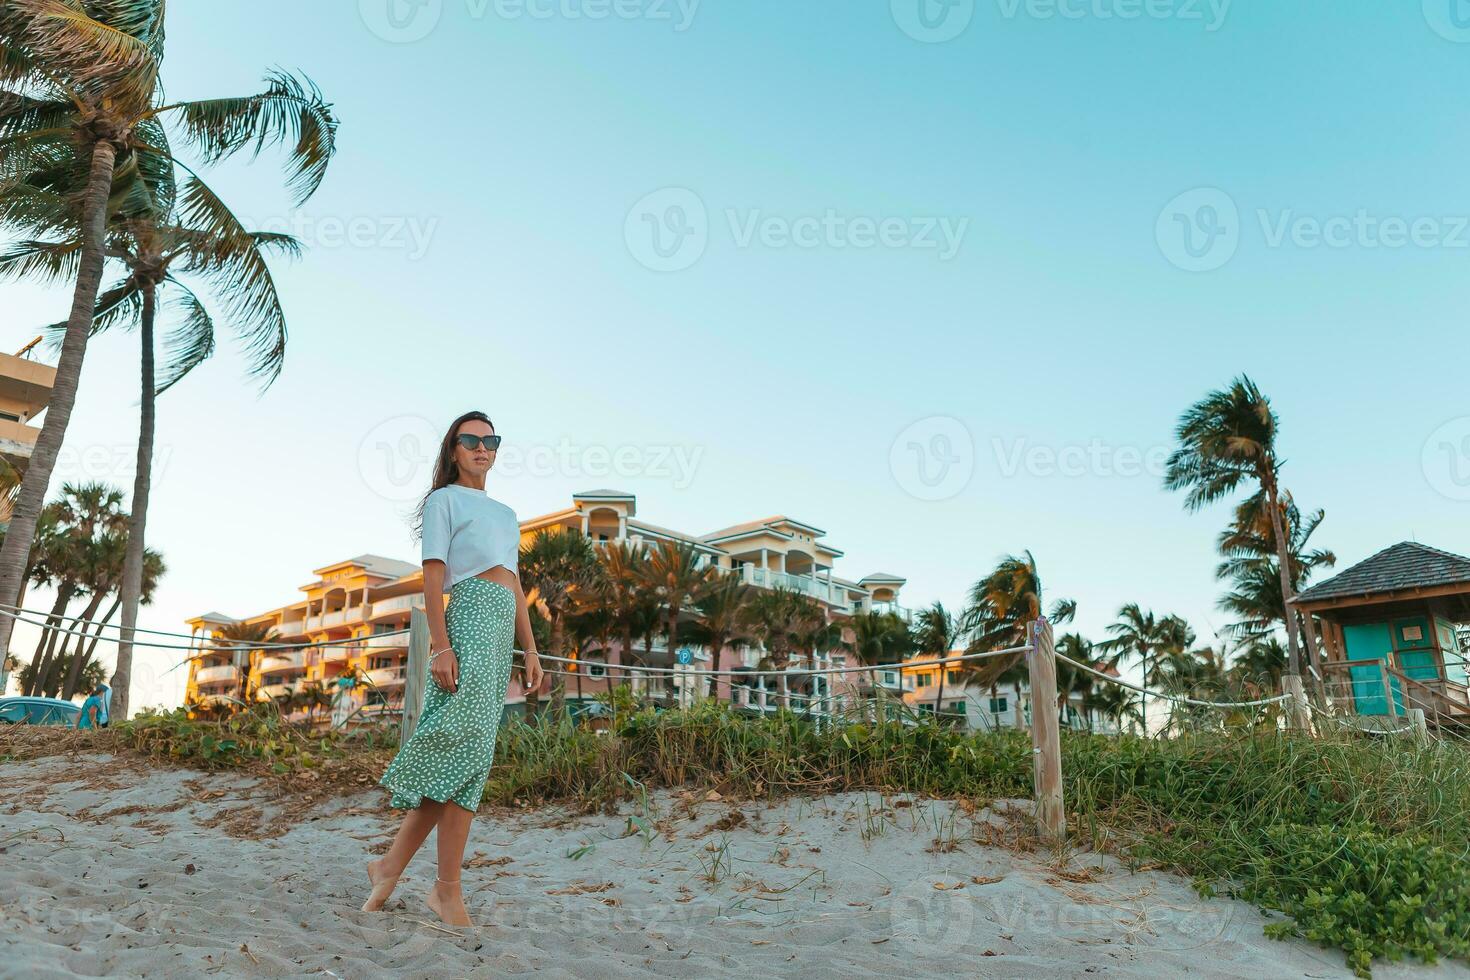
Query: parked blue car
{"type": "Point", "coordinates": [38, 711]}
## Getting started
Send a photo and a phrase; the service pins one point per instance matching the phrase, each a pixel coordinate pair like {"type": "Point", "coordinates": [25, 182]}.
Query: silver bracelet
{"type": "Point", "coordinates": [440, 654]}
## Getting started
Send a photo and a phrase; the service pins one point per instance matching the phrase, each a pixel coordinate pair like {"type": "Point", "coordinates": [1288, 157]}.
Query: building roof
{"type": "Point", "coordinates": [391, 567]}
{"type": "Point", "coordinates": [603, 494]}
{"type": "Point", "coordinates": [1405, 566]}
{"type": "Point", "coordinates": [882, 577]}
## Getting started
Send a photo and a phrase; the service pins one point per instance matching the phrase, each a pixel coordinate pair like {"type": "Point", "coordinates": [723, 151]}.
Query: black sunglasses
{"type": "Point", "coordinates": [491, 443]}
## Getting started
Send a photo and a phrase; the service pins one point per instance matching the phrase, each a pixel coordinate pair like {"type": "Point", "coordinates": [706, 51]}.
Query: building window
{"type": "Point", "coordinates": [596, 670]}
{"type": "Point", "coordinates": [997, 706]}
{"type": "Point", "coordinates": [954, 677]}
{"type": "Point", "coordinates": [922, 680]}
{"type": "Point", "coordinates": [956, 707]}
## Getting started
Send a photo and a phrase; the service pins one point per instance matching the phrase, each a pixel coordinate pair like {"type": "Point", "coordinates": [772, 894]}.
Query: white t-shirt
{"type": "Point", "coordinates": [470, 532]}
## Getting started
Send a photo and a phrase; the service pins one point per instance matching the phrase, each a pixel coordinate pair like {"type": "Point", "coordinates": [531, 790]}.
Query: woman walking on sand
{"type": "Point", "coordinates": [470, 545]}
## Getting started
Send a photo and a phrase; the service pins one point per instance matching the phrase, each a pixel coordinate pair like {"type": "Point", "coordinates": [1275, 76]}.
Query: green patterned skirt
{"type": "Point", "coordinates": [448, 756]}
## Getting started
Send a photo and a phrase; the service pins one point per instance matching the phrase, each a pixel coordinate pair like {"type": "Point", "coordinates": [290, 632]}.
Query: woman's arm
{"type": "Point", "coordinates": [526, 640]}
{"type": "Point", "coordinates": [445, 667]}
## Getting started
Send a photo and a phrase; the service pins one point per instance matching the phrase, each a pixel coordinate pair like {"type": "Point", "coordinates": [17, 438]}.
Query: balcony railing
{"type": "Point", "coordinates": [387, 642]}
{"type": "Point", "coordinates": [271, 692]}
{"type": "Point", "coordinates": [212, 675]}
{"type": "Point", "coordinates": [294, 627]}
{"type": "Point", "coordinates": [284, 661]}
{"type": "Point", "coordinates": [398, 604]}
{"type": "Point", "coordinates": [766, 578]}
{"type": "Point", "coordinates": [387, 676]}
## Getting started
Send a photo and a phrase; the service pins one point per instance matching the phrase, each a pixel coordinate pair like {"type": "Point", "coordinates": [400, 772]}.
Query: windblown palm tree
{"type": "Point", "coordinates": [1226, 440]}
{"type": "Point", "coordinates": [1001, 608]}
{"type": "Point", "coordinates": [80, 103]}
{"type": "Point", "coordinates": [779, 620]}
{"type": "Point", "coordinates": [630, 602]}
{"type": "Point", "coordinates": [245, 639]}
{"type": "Point", "coordinates": [937, 631]}
{"type": "Point", "coordinates": [1138, 633]}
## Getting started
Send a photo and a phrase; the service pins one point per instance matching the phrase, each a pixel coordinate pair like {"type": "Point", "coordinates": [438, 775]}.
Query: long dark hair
{"type": "Point", "coordinates": [446, 470]}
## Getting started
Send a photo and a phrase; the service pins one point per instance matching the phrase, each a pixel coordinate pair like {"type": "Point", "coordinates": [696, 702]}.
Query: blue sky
{"type": "Point", "coordinates": [483, 240]}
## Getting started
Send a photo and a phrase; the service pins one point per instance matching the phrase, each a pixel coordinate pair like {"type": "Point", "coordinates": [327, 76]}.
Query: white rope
{"type": "Point", "coordinates": [205, 645]}
{"type": "Point", "coordinates": [776, 673]}
{"type": "Point", "coordinates": [1174, 697]}
{"type": "Point", "coordinates": [1357, 728]}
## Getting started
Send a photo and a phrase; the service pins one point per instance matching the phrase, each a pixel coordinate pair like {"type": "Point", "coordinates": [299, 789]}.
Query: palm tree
{"type": "Point", "coordinates": [1001, 608]}
{"type": "Point", "coordinates": [246, 638]}
{"type": "Point", "coordinates": [79, 104]}
{"type": "Point", "coordinates": [814, 633]}
{"type": "Point", "coordinates": [1138, 633]}
{"type": "Point", "coordinates": [630, 602]}
{"type": "Point", "coordinates": [554, 566]}
{"type": "Point", "coordinates": [1074, 680]}
{"type": "Point", "coordinates": [778, 619]}
{"type": "Point", "coordinates": [1119, 705]}
{"type": "Point", "coordinates": [1227, 439]}
{"type": "Point", "coordinates": [677, 578]}
{"type": "Point", "coordinates": [722, 618]}
{"type": "Point", "coordinates": [84, 517]}
{"type": "Point", "coordinates": [880, 639]}
{"type": "Point", "coordinates": [936, 631]}
{"type": "Point", "coordinates": [1251, 566]}
{"type": "Point", "coordinates": [102, 558]}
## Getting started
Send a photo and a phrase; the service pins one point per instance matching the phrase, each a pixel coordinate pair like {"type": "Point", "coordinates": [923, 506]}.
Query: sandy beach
{"type": "Point", "coordinates": [108, 868]}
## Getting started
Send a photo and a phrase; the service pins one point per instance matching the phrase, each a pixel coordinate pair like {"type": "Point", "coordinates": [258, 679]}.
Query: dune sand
{"type": "Point", "coordinates": [111, 869]}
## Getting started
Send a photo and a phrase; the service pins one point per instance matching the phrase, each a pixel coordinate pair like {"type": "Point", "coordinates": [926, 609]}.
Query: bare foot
{"type": "Point", "coordinates": [383, 885]}
{"type": "Point", "coordinates": [446, 902]}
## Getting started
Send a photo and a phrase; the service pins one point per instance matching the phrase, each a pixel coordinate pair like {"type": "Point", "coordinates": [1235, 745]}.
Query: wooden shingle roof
{"type": "Point", "coordinates": [1407, 565]}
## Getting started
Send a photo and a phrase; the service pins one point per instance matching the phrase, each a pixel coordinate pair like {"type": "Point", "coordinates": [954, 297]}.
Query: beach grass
{"type": "Point", "coordinates": [1351, 841]}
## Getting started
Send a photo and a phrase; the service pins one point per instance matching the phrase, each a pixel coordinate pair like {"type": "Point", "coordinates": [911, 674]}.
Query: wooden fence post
{"type": "Point", "coordinates": [1298, 716]}
{"type": "Point", "coordinates": [416, 675]}
{"type": "Point", "coordinates": [1046, 737]}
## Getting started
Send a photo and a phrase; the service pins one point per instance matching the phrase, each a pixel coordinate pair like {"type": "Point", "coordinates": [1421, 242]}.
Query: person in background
{"type": "Point", "coordinates": [91, 716]}
{"type": "Point", "coordinates": [105, 714]}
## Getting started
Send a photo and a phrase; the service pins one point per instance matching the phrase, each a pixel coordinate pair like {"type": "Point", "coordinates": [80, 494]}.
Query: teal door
{"type": "Point", "coordinates": [1414, 642]}
{"type": "Point", "coordinates": [1370, 641]}
{"type": "Point", "coordinates": [1449, 645]}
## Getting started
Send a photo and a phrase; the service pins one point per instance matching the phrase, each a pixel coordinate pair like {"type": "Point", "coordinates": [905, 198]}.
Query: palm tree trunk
{"type": "Point", "coordinates": [1020, 715]}
{"type": "Point", "coordinates": [97, 634]}
{"type": "Point", "coordinates": [132, 581]}
{"type": "Point", "coordinates": [716, 644]}
{"type": "Point", "coordinates": [15, 552]}
{"type": "Point", "coordinates": [42, 658]}
{"type": "Point", "coordinates": [1283, 561]}
{"type": "Point", "coordinates": [79, 659]}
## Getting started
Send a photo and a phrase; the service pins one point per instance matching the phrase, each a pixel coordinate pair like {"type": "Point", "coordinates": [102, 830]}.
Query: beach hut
{"type": "Point", "coordinates": [1390, 626]}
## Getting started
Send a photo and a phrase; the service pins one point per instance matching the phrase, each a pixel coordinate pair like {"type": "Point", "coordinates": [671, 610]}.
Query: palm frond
{"type": "Point", "coordinates": [189, 344]}
{"type": "Point", "coordinates": [289, 109]}
{"type": "Point", "coordinates": [120, 304]}
{"type": "Point", "coordinates": [99, 60]}
{"type": "Point", "coordinates": [240, 277]}
{"type": "Point", "coordinates": [48, 262]}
